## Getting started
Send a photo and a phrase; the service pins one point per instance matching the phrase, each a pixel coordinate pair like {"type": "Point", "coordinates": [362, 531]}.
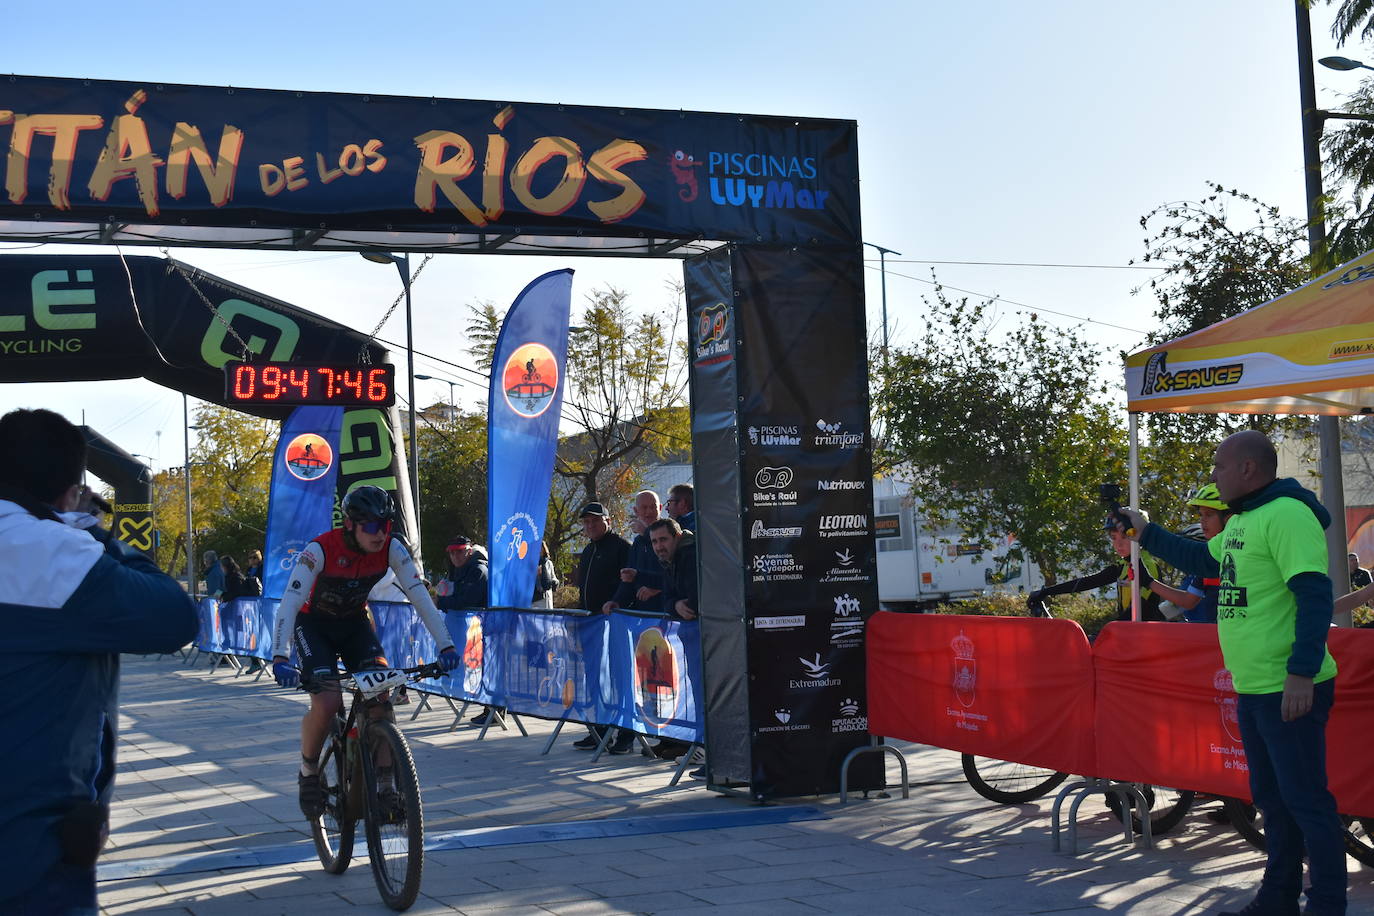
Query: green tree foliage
{"type": "Point", "coordinates": [1352, 16]}
{"type": "Point", "coordinates": [231, 468]}
{"type": "Point", "coordinates": [1007, 430]}
{"type": "Point", "coordinates": [1217, 256]}
{"type": "Point", "coordinates": [453, 480]}
{"type": "Point", "coordinates": [482, 330]}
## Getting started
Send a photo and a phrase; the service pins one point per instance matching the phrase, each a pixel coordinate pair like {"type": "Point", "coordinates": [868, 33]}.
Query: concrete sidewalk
{"type": "Point", "coordinates": [207, 769]}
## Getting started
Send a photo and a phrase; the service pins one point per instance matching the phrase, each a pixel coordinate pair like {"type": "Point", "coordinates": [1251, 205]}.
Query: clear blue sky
{"type": "Point", "coordinates": [1001, 131]}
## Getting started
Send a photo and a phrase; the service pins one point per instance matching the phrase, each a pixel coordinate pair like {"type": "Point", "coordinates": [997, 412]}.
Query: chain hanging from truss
{"type": "Point", "coordinates": [363, 355]}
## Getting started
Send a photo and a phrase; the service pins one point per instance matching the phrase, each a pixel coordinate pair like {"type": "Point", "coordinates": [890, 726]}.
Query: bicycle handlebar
{"type": "Point", "coordinates": [416, 673]}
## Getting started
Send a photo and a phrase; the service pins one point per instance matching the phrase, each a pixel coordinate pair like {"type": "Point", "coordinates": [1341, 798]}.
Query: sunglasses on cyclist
{"type": "Point", "coordinates": [377, 527]}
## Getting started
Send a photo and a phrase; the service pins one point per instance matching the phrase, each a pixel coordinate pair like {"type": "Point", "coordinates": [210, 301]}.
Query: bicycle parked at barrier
{"type": "Point", "coordinates": [367, 773]}
{"type": "Point", "coordinates": [1010, 783]}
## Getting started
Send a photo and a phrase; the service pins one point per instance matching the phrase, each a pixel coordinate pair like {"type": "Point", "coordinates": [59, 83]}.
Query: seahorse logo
{"type": "Point", "coordinates": [681, 164]}
{"type": "Point", "coordinates": [1153, 368]}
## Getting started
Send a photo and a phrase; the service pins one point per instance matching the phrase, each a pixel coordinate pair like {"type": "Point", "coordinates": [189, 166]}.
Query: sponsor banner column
{"type": "Point", "coordinates": [807, 515]}
{"type": "Point", "coordinates": [720, 554]}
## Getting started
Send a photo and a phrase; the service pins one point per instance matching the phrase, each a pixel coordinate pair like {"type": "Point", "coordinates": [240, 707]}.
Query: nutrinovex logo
{"type": "Point", "coordinates": [841, 484]}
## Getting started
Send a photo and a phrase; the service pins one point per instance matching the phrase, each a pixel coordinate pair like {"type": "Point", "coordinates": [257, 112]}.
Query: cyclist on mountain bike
{"type": "Point", "coordinates": [325, 610]}
{"type": "Point", "coordinates": [1118, 571]}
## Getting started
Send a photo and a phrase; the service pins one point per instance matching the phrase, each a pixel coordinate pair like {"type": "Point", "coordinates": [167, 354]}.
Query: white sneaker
{"type": "Point", "coordinates": [699, 755]}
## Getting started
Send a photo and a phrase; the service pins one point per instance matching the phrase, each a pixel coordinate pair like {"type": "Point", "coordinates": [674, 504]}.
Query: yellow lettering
{"type": "Point", "coordinates": [128, 154]}
{"type": "Point", "coordinates": [604, 166]}
{"type": "Point", "coordinates": [327, 174]}
{"type": "Point", "coordinates": [564, 194]}
{"type": "Point", "coordinates": [370, 150]}
{"type": "Point", "coordinates": [351, 160]}
{"type": "Point", "coordinates": [218, 173]}
{"type": "Point", "coordinates": [272, 178]}
{"type": "Point", "coordinates": [439, 174]}
{"type": "Point", "coordinates": [295, 173]}
{"type": "Point", "coordinates": [63, 129]}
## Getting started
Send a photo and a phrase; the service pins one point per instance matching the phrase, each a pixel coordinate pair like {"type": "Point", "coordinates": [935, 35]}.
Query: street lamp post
{"type": "Point", "coordinates": [1328, 427]}
{"type": "Point", "coordinates": [402, 263]}
{"type": "Point", "coordinates": [882, 269]}
{"type": "Point", "coordinates": [452, 401]}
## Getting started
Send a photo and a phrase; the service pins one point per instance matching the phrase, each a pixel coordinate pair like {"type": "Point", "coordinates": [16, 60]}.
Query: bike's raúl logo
{"type": "Point", "coordinates": [530, 379]}
{"type": "Point", "coordinates": [965, 669]}
{"type": "Point", "coordinates": [656, 694]}
{"type": "Point", "coordinates": [309, 457]}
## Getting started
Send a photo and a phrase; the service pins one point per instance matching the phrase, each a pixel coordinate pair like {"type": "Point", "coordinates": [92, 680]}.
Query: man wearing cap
{"type": "Point", "coordinates": [465, 584]}
{"type": "Point", "coordinates": [598, 576]}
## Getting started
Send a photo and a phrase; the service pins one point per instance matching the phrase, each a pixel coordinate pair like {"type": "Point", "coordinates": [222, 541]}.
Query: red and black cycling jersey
{"type": "Point", "coordinates": [345, 576]}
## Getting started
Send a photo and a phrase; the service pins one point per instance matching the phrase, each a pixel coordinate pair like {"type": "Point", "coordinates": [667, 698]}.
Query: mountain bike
{"type": "Point", "coordinates": [367, 773]}
{"type": "Point", "coordinates": [1249, 823]}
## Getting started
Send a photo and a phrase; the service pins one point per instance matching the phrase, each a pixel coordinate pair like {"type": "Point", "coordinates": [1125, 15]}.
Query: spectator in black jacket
{"type": "Point", "coordinates": [598, 576]}
{"type": "Point", "coordinates": [465, 583]}
{"type": "Point", "coordinates": [606, 554]}
{"type": "Point", "coordinates": [641, 581]}
{"type": "Point", "coordinates": [676, 550]}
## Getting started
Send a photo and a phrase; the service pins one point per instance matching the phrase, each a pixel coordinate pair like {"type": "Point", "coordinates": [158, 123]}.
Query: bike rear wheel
{"type": "Point", "coordinates": [1359, 838]}
{"type": "Point", "coordinates": [1167, 808]}
{"type": "Point", "coordinates": [1009, 783]}
{"type": "Point", "coordinates": [395, 820]}
{"type": "Point", "coordinates": [333, 830]}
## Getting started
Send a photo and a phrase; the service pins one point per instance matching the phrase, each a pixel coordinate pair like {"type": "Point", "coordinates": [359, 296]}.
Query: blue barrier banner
{"type": "Point", "coordinates": [405, 641]}
{"type": "Point", "coordinates": [245, 626]}
{"type": "Point", "coordinates": [207, 636]}
{"type": "Point", "coordinates": [305, 471]}
{"type": "Point", "coordinates": [523, 410]}
{"type": "Point", "coordinates": [664, 660]}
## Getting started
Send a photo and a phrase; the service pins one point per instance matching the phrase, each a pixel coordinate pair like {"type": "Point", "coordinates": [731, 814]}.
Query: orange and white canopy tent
{"type": "Point", "coordinates": [1310, 351]}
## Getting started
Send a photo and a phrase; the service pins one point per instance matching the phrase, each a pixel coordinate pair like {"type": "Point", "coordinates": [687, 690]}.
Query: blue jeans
{"type": "Point", "coordinates": [1288, 782]}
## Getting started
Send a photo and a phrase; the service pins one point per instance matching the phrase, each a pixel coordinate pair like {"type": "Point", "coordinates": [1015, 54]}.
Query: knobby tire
{"type": "Point", "coordinates": [333, 830]}
{"type": "Point", "coordinates": [1009, 783]}
{"type": "Point", "coordinates": [395, 837]}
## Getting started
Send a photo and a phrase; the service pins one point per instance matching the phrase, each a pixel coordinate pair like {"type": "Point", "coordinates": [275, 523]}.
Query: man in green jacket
{"type": "Point", "coordinates": [1274, 609]}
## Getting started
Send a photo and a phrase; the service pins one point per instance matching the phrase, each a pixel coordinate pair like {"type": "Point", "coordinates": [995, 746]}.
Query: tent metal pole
{"type": "Point", "coordinates": [1328, 427]}
{"type": "Point", "coordinates": [1133, 463]}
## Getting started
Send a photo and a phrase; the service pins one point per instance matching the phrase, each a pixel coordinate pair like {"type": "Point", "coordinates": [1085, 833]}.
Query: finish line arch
{"type": "Point", "coordinates": [764, 212]}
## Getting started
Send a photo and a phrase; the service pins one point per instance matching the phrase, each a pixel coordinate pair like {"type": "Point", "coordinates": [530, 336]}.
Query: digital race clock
{"type": "Point", "coordinates": [344, 385]}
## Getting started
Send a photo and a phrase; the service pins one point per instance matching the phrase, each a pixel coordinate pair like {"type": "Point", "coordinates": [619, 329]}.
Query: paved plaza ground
{"type": "Point", "coordinates": [207, 782]}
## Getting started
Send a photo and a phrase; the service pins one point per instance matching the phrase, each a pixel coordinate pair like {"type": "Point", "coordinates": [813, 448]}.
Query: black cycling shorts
{"type": "Point", "coordinates": [320, 640]}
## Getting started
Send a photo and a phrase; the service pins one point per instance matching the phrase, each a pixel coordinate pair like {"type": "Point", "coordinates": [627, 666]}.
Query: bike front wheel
{"type": "Point", "coordinates": [333, 830]}
{"type": "Point", "coordinates": [395, 820]}
{"type": "Point", "coordinates": [1009, 783]}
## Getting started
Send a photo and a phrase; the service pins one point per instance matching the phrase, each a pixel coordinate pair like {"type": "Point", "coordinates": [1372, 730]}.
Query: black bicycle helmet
{"type": "Point", "coordinates": [368, 504]}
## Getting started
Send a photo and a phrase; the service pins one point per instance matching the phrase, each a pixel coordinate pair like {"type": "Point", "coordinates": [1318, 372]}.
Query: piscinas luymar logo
{"type": "Point", "coordinates": [761, 181]}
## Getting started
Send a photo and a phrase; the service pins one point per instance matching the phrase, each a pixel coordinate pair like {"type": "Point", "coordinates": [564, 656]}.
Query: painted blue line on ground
{"type": "Point", "coordinates": [514, 835]}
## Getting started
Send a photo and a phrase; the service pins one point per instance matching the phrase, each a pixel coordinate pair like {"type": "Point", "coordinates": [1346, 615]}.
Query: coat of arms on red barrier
{"type": "Point", "coordinates": [965, 669]}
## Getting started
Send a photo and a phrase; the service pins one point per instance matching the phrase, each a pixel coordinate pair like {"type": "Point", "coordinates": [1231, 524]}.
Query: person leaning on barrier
{"type": "Point", "coordinates": [465, 586]}
{"type": "Point", "coordinates": [1119, 571]}
{"type": "Point", "coordinates": [1273, 615]}
{"type": "Point", "coordinates": [73, 599]}
{"type": "Point", "coordinates": [324, 610]}
{"type": "Point", "coordinates": [641, 581]}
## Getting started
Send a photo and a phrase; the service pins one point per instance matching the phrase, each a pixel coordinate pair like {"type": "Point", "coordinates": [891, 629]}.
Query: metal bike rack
{"type": "Point", "coordinates": [879, 747]}
{"type": "Point", "coordinates": [1127, 793]}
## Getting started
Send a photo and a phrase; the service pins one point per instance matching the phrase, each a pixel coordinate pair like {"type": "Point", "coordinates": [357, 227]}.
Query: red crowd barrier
{"type": "Point", "coordinates": [1012, 688]}
{"type": "Point", "coordinates": [1166, 712]}
{"type": "Point", "coordinates": [1148, 702]}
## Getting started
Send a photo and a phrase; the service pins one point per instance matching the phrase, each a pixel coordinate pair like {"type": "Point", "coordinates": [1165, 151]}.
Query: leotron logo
{"type": "Point", "coordinates": [834, 526]}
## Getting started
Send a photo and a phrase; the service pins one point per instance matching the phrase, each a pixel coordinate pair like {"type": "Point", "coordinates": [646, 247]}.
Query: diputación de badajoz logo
{"type": "Point", "coordinates": [529, 379]}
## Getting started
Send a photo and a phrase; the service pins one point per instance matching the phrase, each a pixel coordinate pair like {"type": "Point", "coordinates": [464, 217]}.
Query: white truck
{"type": "Point", "coordinates": [919, 567]}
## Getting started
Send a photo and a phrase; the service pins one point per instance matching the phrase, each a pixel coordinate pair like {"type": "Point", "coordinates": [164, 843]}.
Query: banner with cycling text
{"type": "Point", "coordinates": [524, 407]}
